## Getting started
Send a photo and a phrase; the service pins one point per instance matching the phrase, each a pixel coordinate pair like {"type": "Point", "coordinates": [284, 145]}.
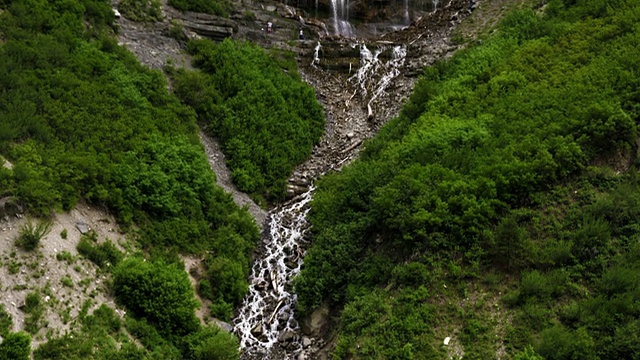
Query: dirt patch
{"type": "Point", "coordinates": [64, 285]}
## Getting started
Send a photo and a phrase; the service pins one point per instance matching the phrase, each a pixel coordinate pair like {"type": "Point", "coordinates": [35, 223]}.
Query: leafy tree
{"type": "Point", "coordinates": [158, 292]}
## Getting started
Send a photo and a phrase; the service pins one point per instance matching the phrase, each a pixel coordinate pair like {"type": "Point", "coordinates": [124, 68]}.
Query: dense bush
{"type": "Point", "coordinates": [81, 119]}
{"type": "Point", "coordinates": [159, 293]}
{"type": "Point", "coordinates": [15, 346]}
{"type": "Point", "coordinates": [217, 7]}
{"type": "Point", "coordinates": [506, 162]}
{"type": "Point", "coordinates": [210, 343]}
{"type": "Point", "coordinates": [100, 254]}
{"type": "Point", "coordinates": [141, 10]}
{"type": "Point", "coordinates": [266, 119]}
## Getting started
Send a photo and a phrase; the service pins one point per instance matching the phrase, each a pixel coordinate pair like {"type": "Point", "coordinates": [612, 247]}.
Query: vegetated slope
{"type": "Point", "coordinates": [501, 207]}
{"type": "Point", "coordinates": [80, 118]}
{"type": "Point", "coordinates": [266, 119]}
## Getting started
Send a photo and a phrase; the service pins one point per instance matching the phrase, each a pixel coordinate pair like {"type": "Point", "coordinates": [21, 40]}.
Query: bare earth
{"type": "Point", "coordinates": [25, 272]}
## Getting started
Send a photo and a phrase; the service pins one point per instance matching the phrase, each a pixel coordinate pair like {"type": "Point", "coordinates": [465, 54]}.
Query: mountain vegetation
{"type": "Point", "coordinates": [500, 208]}
{"type": "Point", "coordinates": [81, 120]}
{"type": "Point", "coordinates": [266, 119]}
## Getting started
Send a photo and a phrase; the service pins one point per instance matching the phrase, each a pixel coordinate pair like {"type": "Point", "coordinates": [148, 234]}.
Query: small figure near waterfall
{"type": "Point", "coordinates": [269, 26]}
{"type": "Point", "coordinates": [301, 34]}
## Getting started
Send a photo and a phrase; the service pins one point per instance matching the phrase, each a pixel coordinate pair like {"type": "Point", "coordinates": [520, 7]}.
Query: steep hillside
{"type": "Point", "coordinates": [498, 211]}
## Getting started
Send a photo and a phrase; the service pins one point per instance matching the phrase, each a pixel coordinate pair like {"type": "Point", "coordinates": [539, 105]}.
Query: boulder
{"type": "Point", "coordinates": [286, 335]}
{"type": "Point", "coordinates": [223, 325]}
{"type": "Point", "coordinates": [257, 330]}
{"type": "Point", "coordinates": [10, 206]}
{"type": "Point", "coordinates": [316, 323]}
{"type": "Point", "coordinates": [82, 227]}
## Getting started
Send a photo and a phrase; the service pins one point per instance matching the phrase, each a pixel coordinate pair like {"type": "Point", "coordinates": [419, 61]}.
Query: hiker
{"type": "Point", "coordinates": [269, 26]}
{"type": "Point", "coordinates": [301, 34]}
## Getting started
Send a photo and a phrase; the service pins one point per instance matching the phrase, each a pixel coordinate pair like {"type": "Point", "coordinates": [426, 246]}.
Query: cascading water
{"type": "Point", "coordinates": [266, 315]}
{"type": "Point", "coordinates": [316, 55]}
{"type": "Point", "coordinates": [265, 323]}
{"type": "Point", "coordinates": [341, 24]}
{"type": "Point", "coordinates": [376, 74]}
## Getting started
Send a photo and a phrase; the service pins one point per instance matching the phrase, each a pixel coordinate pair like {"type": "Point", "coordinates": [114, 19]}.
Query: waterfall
{"type": "Point", "coordinates": [267, 313]}
{"type": "Point", "coordinates": [377, 74]}
{"type": "Point", "coordinates": [406, 19]}
{"type": "Point", "coordinates": [316, 55]}
{"type": "Point", "coordinates": [340, 14]}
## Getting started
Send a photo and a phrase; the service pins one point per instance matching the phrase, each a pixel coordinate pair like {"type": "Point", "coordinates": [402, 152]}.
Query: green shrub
{"type": "Point", "coordinates": [528, 354]}
{"type": "Point", "coordinates": [105, 318]}
{"type": "Point", "coordinates": [63, 234]}
{"type": "Point", "coordinates": [64, 255]}
{"type": "Point", "coordinates": [217, 7]}
{"type": "Point", "coordinates": [34, 309]}
{"type": "Point", "coordinates": [6, 324]}
{"type": "Point", "coordinates": [66, 281]}
{"type": "Point", "coordinates": [100, 254]}
{"type": "Point", "coordinates": [267, 120]}
{"type": "Point", "coordinates": [16, 346]}
{"type": "Point", "coordinates": [559, 343]}
{"type": "Point", "coordinates": [141, 10]}
{"type": "Point", "coordinates": [30, 234]}
{"type": "Point", "coordinates": [210, 343]}
{"type": "Point", "coordinates": [159, 293]}
{"type": "Point", "coordinates": [542, 287]}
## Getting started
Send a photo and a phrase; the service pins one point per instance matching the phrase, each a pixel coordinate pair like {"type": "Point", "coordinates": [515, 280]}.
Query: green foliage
{"type": "Point", "coordinates": [210, 343]}
{"type": "Point", "coordinates": [34, 309]}
{"type": "Point", "coordinates": [30, 234]}
{"type": "Point", "coordinates": [98, 338]}
{"type": "Point", "coordinates": [105, 254]}
{"type": "Point", "coordinates": [508, 158]}
{"type": "Point", "coordinates": [528, 354]}
{"type": "Point", "coordinates": [63, 234]}
{"type": "Point", "coordinates": [141, 10]}
{"type": "Point", "coordinates": [217, 7]}
{"type": "Point", "coordinates": [266, 119]}
{"type": "Point", "coordinates": [16, 346]}
{"type": "Point", "coordinates": [560, 343]}
{"type": "Point", "coordinates": [64, 255]}
{"type": "Point", "coordinates": [160, 293]}
{"type": "Point", "coordinates": [6, 324]}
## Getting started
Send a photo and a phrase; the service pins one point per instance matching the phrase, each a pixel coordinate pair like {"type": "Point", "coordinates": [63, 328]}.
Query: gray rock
{"type": "Point", "coordinates": [270, 8]}
{"type": "Point", "coordinates": [306, 342]}
{"type": "Point", "coordinates": [317, 322]}
{"type": "Point", "coordinates": [82, 227]}
{"type": "Point", "coordinates": [223, 325]}
{"type": "Point", "coordinates": [257, 330]}
{"type": "Point", "coordinates": [286, 335]}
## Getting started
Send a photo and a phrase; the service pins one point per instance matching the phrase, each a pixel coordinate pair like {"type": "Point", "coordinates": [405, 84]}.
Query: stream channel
{"type": "Point", "coordinates": [266, 324]}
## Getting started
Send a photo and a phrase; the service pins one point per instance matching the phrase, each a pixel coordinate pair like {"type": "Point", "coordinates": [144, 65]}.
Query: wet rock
{"type": "Point", "coordinates": [316, 323]}
{"type": "Point", "coordinates": [306, 341]}
{"type": "Point", "coordinates": [293, 190]}
{"type": "Point", "coordinates": [286, 335]}
{"type": "Point", "coordinates": [257, 330]}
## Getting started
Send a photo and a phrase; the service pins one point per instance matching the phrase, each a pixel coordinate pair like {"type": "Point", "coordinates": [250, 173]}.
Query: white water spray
{"type": "Point", "coordinates": [375, 74]}
{"type": "Point", "coordinates": [267, 312]}
{"type": "Point", "coordinates": [316, 55]}
{"type": "Point", "coordinates": [340, 14]}
{"type": "Point", "coordinates": [406, 12]}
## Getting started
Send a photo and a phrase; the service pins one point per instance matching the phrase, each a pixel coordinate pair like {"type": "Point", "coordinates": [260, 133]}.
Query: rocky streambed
{"type": "Point", "coordinates": [361, 83]}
